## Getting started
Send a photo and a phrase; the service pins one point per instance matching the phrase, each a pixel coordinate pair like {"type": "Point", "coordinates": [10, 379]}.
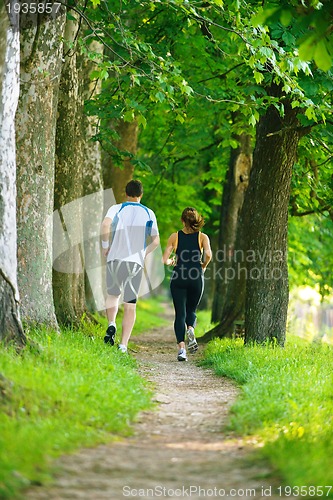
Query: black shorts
{"type": "Point", "coordinates": [124, 276]}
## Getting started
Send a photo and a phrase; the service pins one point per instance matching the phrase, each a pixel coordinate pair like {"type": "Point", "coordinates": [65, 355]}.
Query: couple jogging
{"type": "Point", "coordinates": [129, 234]}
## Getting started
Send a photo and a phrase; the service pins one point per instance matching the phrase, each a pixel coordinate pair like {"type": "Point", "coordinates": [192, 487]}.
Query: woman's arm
{"type": "Point", "coordinates": [169, 248]}
{"type": "Point", "coordinates": [207, 251]}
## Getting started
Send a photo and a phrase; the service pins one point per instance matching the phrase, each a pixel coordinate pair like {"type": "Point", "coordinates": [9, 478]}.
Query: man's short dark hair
{"type": "Point", "coordinates": [134, 189]}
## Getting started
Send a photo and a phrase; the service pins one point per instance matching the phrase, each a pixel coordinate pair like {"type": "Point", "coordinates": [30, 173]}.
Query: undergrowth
{"type": "Point", "coordinates": [65, 391]}
{"type": "Point", "coordinates": [286, 401]}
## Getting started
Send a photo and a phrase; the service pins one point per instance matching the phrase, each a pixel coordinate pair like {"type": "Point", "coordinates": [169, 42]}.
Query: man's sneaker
{"type": "Point", "coordinates": [122, 348]}
{"type": "Point", "coordinates": [192, 343]}
{"type": "Point", "coordinates": [182, 355]}
{"type": "Point", "coordinates": [110, 334]}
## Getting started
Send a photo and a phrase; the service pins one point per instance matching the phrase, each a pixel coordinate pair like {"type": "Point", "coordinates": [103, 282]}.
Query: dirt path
{"type": "Point", "coordinates": [178, 450]}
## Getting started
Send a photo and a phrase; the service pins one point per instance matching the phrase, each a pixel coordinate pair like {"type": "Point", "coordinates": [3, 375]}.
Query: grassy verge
{"type": "Point", "coordinates": [70, 391]}
{"type": "Point", "coordinates": [287, 401]}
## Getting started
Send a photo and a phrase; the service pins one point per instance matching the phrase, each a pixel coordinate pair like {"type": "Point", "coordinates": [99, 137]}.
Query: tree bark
{"type": "Point", "coordinates": [265, 213]}
{"type": "Point", "coordinates": [232, 202]}
{"type": "Point", "coordinates": [93, 201]}
{"type": "Point", "coordinates": [10, 324]}
{"type": "Point", "coordinates": [68, 277]}
{"type": "Point", "coordinates": [41, 50]}
{"type": "Point", "coordinates": [115, 176]}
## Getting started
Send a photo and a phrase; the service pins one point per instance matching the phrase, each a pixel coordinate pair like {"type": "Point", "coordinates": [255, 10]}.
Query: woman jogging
{"type": "Point", "coordinates": [192, 255]}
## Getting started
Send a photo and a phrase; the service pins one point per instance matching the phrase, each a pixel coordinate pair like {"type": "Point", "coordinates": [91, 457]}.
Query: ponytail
{"type": "Point", "coordinates": [192, 219]}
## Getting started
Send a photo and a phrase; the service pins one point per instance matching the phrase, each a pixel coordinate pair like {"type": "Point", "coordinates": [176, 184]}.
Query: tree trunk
{"type": "Point", "coordinates": [93, 201]}
{"type": "Point", "coordinates": [68, 277]}
{"type": "Point", "coordinates": [265, 213]}
{"type": "Point", "coordinates": [41, 52]}
{"type": "Point", "coordinates": [115, 176]}
{"type": "Point", "coordinates": [232, 201]}
{"type": "Point", "coordinates": [10, 324]}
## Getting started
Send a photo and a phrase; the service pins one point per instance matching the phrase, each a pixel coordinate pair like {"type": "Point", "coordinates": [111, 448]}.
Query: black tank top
{"type": "Point", "coordinates": [188, 251]}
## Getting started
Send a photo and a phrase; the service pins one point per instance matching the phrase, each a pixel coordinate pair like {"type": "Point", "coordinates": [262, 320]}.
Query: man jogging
{"type": "Point", "coordinates": [129, 232]}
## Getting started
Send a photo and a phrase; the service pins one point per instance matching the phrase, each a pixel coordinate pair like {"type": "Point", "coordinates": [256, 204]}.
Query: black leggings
{"type": "Point", "coordinates": [186, 294]}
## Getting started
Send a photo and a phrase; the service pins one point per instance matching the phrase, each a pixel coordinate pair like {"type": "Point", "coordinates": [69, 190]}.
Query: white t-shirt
{"type": "Point", "coordinates": [128, 232]}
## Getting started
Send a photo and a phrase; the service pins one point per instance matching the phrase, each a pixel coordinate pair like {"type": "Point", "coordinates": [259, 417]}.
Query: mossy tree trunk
{"type": "Point", "coordinates": [265, 213]}
{"type": "Point", "coordinates": [233, 197]}
{"type": "Point", "coordinates": [68, 276]}
{"type": "Point", "coordinates": [93, 201]}
{"type": "Point", "coordinates": [10, 324]}
{"type": "Point", "coordinates": [41, 52]}
{"type": "Point", "coordinates": [259, 288]}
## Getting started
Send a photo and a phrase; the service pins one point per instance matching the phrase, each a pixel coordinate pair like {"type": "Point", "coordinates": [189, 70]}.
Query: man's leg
{"type": "Point", "coordinates": [131, 279]}
{"type": "Point", "coordinates": [111, 305]}
{"type": "Point", "coordinates": [128, 321]}
{"type": "Point", "coordinates": [112, 299]}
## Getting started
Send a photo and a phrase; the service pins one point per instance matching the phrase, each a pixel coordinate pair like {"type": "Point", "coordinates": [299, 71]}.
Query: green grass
{"type": "Point", "coordinates": [286, 401]}
{"type": "Point", "coordinates": [64, 392]}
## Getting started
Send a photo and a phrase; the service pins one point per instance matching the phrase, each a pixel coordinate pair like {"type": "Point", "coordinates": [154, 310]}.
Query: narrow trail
{"type": "Point", "coordinates": [179, 449]}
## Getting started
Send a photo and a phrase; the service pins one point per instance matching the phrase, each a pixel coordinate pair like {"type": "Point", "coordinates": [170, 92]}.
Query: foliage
{"type": "Point", "coordinates": [63, 392]}
{"type": "Point", "coordinates": [315, 43]}
{"type": "Point", "coordinates": [285, 403]}
{"type": "Point", "coordinates": [310, 254]}
{"type": "Point", "coordinates": [195, 75]}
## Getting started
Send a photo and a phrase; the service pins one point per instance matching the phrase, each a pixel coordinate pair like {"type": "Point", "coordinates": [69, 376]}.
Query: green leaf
{"type": "Point", "coordinates": [286, 17]}
{"type": "Point", "coordinates": [95, 3]}
{"type": "Point", "coordinates": [261, 17]}
{"type": "Point", "coordinates": [94, 75]}
{"type": "Point", "coordinates": [218, 2]}
{"type": "Point", "coordinates": [322, 57]}
{"type": "Point", "coordinates": [70, 16]}
{"type": "Point", "coordinates": [310, 114]}
{"type": "Point", "coordinates": [129, 116]}
{"type": "Point", "coordinates": [104, 74]}
{"type": "Point", "coordinates": [288, 38]}
{"type": "Point", "coordinates": [258, 77]}
{"type": "Point", "coordinates": [252, 120]}
{"type": "Point", "coordinates": [142, 121]}
{"type": "Point", "coordinates": [160, 96]}
{"type": "Point", "coordinates": [307, 48]}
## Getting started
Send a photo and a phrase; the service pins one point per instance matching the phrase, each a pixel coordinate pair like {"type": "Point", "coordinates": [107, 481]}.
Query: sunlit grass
{"type": "Point", "coordinates": [286, 400]}
{"type": "Point", "coordinates": [63, 392]}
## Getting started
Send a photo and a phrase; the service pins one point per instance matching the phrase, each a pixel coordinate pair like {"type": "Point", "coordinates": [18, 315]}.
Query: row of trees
{"type": "Point", "coordinates": [209, 102]}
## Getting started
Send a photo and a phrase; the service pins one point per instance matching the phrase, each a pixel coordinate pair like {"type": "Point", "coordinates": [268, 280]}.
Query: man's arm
{"type": "Point", "coordinates": [105, 235]}
{"type": "Point", "coordinates": [155, 241]}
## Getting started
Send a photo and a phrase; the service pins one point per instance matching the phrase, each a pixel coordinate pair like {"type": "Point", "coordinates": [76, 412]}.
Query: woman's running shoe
{"type": "Point", "coordinates": [192, 343]}
{"type": "Point", "coordinates": [182, 354]}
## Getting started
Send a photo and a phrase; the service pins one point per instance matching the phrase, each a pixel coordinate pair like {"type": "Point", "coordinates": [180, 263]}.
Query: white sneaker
{"type": "Point", "coordinates": [182, 354]}
{"type": "Point", "coordinates": [122, 348]}
{"type": "Point", "coordinates": [192, 343]}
